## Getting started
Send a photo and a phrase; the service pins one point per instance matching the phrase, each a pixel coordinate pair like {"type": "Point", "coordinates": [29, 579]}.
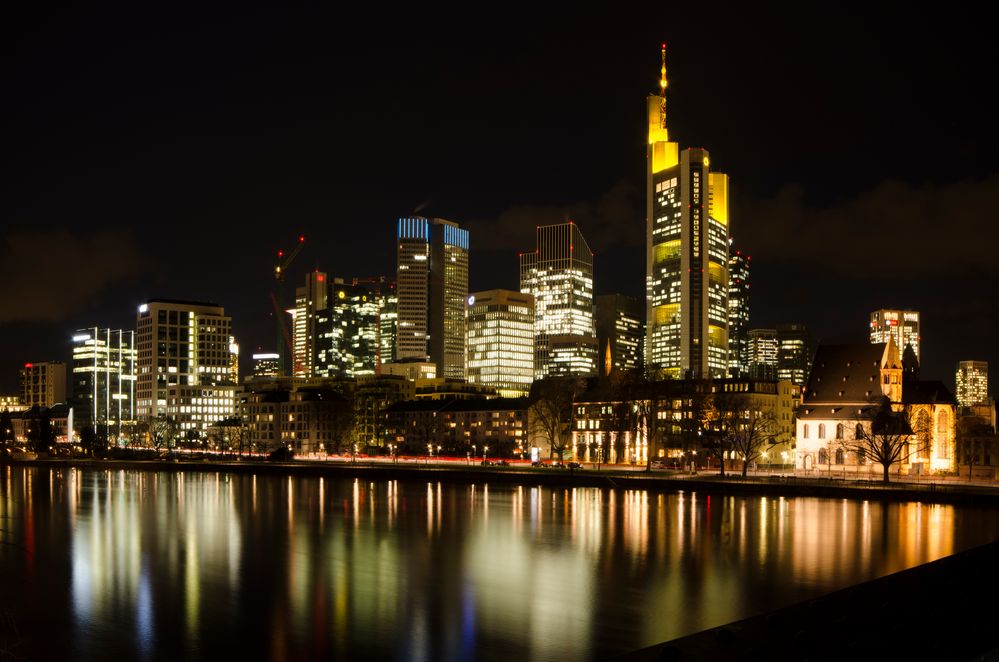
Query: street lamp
{"type": "Point", "coordinates": [438, 452]}
{"type": "Point", "coordinates": [485, 451]}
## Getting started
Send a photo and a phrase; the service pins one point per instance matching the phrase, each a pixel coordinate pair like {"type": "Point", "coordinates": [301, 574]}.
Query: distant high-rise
{"type": "Point", "coordinates": [104, 379]}
{"type": "Point", "coordinates": [501, 341]}
{"type": "Point", "coordinates": [620, 333]}
{"type": "Point", "coordinates": [266, 364]}
{"type": "Point", "coordinates": [311, 303]}
{"type": "Point", "coordinates": [338, 325]}
{"type": "Point", "coordinates": [901, 325]}
{"type": "Point", "coordinates": [762, 353]}
{"type": "Point", "coordinates": [687, 266]}
{"type": "Point", "coordinates": [972, 380]}
{"type": "Point", "coordinates": [43, 384]}
{"type": "Point", "coordinates": [559, 274]}
{"type": "Point", "coordinates": [183, 366]}
{"type": "Point", "coordinates": [233, 360]}
{"type": "Point", "coordinates": [738, 314]}
{"type": "Point", "coordinates": [793, 353]}
{"type": "Point", "coordinates": [432, 286]}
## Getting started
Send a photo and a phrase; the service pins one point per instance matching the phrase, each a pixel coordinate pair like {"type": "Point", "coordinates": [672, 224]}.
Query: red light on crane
{"type": "Point", "coordinates": [301, 238]}
{"type": "Point", "coordinates": [27, 365]}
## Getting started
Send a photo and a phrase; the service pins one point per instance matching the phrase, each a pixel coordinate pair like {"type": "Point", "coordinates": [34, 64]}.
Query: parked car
{"type": "Point", "coordinates": [501, 463]}
{"type": "Point", "coordinates": [575, 465]}
{"type": "Point", "coordinates": [539, 463]}
{"type": "Point", "coordinates": [558, 465]}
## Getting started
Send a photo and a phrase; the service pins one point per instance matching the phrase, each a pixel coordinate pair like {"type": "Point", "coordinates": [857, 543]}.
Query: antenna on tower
{"type": "Point", "coordinates": [663, 84]}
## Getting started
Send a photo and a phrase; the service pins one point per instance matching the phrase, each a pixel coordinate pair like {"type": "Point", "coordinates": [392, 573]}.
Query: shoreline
{"type": "Point", "coordinates": [757, 485]}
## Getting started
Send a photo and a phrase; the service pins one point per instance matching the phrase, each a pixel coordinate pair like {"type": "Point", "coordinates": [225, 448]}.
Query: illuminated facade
{"type": "Point", "coordinates": [501, 341]}
{"type": "Point", "coordinates": [761, 350]}
{"type": "Point", "coordinates": [11, 403]}
{"type": "Point", "coordinates": [104, 374]}
{"type": "Point", "coordinates": [620, 333]}
{"type": "Point", "coordinates": [687, 265]}
{"type": "Point", "coordinates": [183, 363]}
{"type": "Point", "coordinates": [793, 353]}
{"type": "Point", "coordinates": [432, 286]}
{"type": "Point", "coordinates": [311, 303]}
{"type": "Point", "coordinates": [339, 325]}
{"type": "Point", "coordinates": [902, 326]}
{"type": "Point", "coordinates": [43, 384]}
{"type": "Point", "coordinates": [843, 390]}
{"type": "Point", "coordinates": [738, 313]}
{"type": "Point", "coordinates": [972, 380]}
{"type": "Point", "coordinates": [266, 365]}
{"type": "Point", "coordinates": [233, 360]}
{"type": "Point", "coordinates": [559, 275]}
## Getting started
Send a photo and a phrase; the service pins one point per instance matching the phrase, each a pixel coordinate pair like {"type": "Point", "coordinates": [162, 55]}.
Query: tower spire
{"type": "Point", "coordinates": [663, 83]}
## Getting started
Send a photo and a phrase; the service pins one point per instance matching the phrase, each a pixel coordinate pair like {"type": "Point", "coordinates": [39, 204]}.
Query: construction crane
{"type": "Point", "coordinates": [283, 338]}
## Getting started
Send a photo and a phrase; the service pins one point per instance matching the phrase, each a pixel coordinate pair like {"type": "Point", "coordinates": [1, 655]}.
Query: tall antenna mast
{"type": "Point", "coordinates": [663, 83]}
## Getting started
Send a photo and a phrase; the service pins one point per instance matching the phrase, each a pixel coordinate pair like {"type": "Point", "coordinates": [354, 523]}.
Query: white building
{"type": "Point", "coordinates": [184, 368]}
{"type": "Point", "coordinates": [501, 341]}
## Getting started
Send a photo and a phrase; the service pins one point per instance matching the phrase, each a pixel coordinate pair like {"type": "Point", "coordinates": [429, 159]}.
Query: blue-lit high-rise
{"type": "Point", "coordinates": [432, 286]}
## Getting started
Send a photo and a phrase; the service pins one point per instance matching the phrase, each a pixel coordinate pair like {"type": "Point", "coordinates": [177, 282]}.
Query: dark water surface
{"type": "Point", "coordinates": [123, 565]}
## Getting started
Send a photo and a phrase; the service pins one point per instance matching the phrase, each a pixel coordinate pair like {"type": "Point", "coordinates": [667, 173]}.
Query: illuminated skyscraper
{"type": "Point", "coordinates": [687, 267]}
{"type": "Point", "coordinates": [901, 325]}
{"type": "Point", "coordinates": [620, 333]}
{"type": "Point", "coordinates": [793, 353]}
{"type": "Point", "coordinates": [738, 314]}
{"type": "Point", "coordinates": [103, 379]}
{"type": "Point", "coordinates": [972, 380]}
{"type": "Point", "coordinates": [432, 262]}
{"type": "Point", "coordinates": [183, 363]}
{"type": "Point", "coordinates": [501, 341]}
{"type": "Point", "coordinates": [762, 352]}
{"type": "Point", "coordinates": [43, 384]}
{"type": "Point", "coordinates": [311, 304]}
{"type": "Point", "coordinates": [559, 274]}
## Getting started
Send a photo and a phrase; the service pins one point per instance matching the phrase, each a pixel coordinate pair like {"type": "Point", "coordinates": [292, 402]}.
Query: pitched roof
{"type": "Point", "coordinates": [845, 373]}
{"type": "Point", "coordinates": [926, 392]}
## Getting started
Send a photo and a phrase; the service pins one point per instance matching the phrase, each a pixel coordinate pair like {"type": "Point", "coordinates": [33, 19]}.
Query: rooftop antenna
{"type": "Point", "coordinates": [663, 84]}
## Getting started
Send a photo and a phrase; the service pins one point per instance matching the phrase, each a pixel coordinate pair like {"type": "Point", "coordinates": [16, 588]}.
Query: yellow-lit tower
{"type": "Point", "coordinates": [687, 254]}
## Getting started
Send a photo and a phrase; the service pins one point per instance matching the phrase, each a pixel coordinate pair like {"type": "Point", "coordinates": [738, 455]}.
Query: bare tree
{"type": "Point", "coordinates": [885, 436]}
{"type": "Point", "coordinates": [163, 431]}
{"type": "Point", "coordinates": [551, 411]}
{"type": "Point", "coordinates": [752, 430]}
{"type": "Point", "coordinates": [6, 435]}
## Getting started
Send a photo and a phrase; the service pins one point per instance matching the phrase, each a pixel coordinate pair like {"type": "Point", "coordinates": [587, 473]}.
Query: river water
{"type": "Point", "coordinates": [106, 565]}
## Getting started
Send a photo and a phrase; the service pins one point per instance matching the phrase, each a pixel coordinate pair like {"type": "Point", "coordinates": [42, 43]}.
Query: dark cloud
{"type": "Point", "coordinates": [895, 230]}
{"type": "Point", "coordinates": [613, 220]}
{"type": "Point", "coordinates": [49, 276]}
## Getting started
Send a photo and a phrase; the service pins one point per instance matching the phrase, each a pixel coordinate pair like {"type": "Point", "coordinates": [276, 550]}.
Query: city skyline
{"type": "Point", "coordinates": [789, 168]}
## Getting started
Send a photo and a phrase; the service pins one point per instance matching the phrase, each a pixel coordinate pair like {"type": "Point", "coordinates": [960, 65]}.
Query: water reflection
{"type": "Point", "coordinates": [97, 564]}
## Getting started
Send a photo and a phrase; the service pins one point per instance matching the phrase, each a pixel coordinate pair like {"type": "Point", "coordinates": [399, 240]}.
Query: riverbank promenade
{"type": "Point", "coordinates": [467, 470]}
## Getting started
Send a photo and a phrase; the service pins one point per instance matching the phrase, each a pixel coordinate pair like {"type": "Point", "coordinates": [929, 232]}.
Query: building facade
{"type": "Point", "coordinates": [620, 333]}
{"type": "Point", "coordinates": [842, 401]}
{"type": "Point", "coordinates": [972, 383]}
{"type": "Point", "coordinates": [43, 384]}
{"type": "Point", "coordinates": [902, 326]}
{"type": "Point", "coordinates": [501, 341]}
{"type": "Point", "coordinates": [794, 353]}
{"type": "Point", "coordinates": [738, 313]}
{"type": "Point", "coordinates": [183, 367]}
{"type": "Point", "coordinates": [761, 347]}
{"type": "Point", "coordinates": [687, 265]}
{"type": "Point", "coordinates": [559, 275]}
{"type": "Point", "coordinates": [266, 364]}
{"type": "Point", "coordinates": [104, 372]}
{"type": "Point", "coordinates": [432, 287]}
{"type": "Point", "coordinates": [473, 429]}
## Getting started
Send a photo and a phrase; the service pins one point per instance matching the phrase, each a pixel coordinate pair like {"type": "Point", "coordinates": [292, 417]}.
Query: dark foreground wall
{"type": "Point", "coordinates": [944, 610]}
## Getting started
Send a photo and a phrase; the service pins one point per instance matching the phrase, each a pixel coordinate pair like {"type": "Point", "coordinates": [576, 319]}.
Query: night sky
{"type": "Point", "coordinates": [170, 153]}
